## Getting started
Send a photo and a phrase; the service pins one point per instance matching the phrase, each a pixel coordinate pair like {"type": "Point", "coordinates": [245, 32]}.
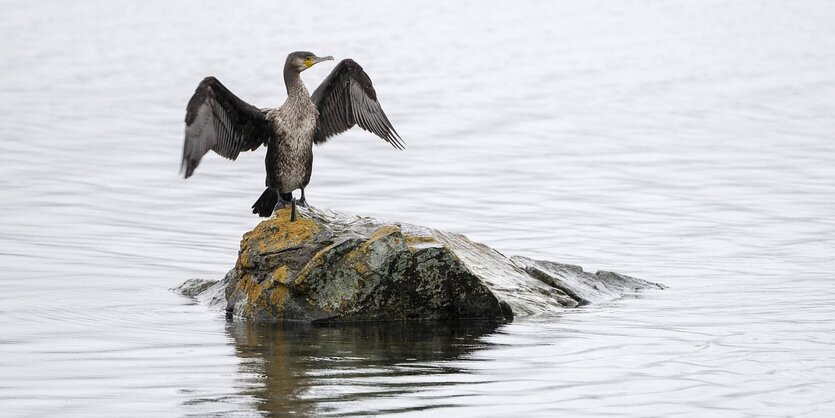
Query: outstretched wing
{"type": "Point", "coordinates": [347, 98]}
{"type": "Point", "coordinates": [218, 120]}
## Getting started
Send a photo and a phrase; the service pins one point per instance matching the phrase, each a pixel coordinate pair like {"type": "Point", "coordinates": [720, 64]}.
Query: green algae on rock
{"type": "Point", "coordinates": [330, 266]}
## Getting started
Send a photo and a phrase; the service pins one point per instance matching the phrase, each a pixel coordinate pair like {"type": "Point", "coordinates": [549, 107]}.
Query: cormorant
{"type": "Point", "coordinates": [218, 120]}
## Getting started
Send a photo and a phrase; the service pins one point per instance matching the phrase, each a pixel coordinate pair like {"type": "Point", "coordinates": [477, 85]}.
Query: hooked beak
{"type": "Point", "coordinates": [315, 60]}
{"type": "Point", "coordinates": [320, 59]}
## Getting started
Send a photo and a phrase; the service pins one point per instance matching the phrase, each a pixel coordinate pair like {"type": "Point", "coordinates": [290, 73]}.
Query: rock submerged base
{"type": "Point", "coordinates": [330, 266]}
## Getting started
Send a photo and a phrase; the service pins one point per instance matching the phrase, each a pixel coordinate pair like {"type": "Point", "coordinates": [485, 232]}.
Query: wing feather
{"type": "Point", "coordinates": [218, 120]}
{"type": "Point", "coordinates": [347, 98]}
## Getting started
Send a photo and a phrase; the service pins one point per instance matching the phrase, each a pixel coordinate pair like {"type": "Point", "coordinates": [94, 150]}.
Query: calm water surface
{"type": "Point", "coordinates": [689, 143]}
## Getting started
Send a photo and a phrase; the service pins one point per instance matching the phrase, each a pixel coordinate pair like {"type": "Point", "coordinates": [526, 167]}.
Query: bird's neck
{"type": "Point", "coordinates": [295, 86]}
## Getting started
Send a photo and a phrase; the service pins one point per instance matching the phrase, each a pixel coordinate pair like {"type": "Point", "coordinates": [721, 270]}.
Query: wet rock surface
{"type": "Point", "coordinates": [331, 266]}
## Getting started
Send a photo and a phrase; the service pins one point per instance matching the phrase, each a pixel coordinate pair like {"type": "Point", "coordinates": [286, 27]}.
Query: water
{"type": "Point", "coordinates": [680, 142]}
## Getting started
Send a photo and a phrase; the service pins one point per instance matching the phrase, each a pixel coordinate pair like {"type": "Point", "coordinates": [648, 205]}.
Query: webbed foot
{"type": "Point", "coordinates": [281, 204]}
{"type": "Point", "coordinates": [302, 202]}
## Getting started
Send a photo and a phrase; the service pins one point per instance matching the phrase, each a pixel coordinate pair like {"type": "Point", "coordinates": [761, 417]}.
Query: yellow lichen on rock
{"type": "Point", "coordinates": [278, 232]}
{"type": "Point", "coordinates": [249, 287]}
{"type": "Point", "coordinates": [278, 296]}
{"type": "Point", "coordinates": [280, 274]}
{"type": "Point", "coordinates": [383, 231]}
{"type": "Point", "coordinates": [378, 234]}
{"type": "Point", "coordinates": [416, 239]}
{"type": "Point", "coordinates": [275, 234]}
{"type": "Point", "coordinates": [243, 258]}
{"type": "Point", "coordinates": [258, 294]}
{"type": "Point", "coordinates": [415, 242]}
{"type": "Point", "coordinates": [354, 259]}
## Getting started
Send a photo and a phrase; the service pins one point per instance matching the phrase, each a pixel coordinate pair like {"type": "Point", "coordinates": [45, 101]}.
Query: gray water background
{"type": "Point", "coordinates": [689, 143]}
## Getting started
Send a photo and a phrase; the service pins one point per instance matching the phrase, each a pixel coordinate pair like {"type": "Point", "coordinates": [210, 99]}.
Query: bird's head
{"type": "Point", "coordinates": [302, 60]}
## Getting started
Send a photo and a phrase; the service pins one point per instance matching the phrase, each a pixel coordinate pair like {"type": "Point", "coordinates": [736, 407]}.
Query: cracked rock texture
{"type": "Point", "coordinates": [331, 266]}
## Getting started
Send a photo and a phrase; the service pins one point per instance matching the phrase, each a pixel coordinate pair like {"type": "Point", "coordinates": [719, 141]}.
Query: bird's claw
{"type": "Point", "coordinates": [281, 204]}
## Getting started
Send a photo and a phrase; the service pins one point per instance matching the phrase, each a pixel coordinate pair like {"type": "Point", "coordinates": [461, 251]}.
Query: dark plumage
{"type": "Point", "coordinates": [218, 120]}
{"type": "Point", "coordinates": [337, 115]}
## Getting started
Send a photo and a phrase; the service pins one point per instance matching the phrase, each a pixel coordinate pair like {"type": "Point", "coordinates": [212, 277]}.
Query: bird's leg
{"type": "Point", "coordinates": [303, 201]}
{"type": "Point", "coordinates": [283, 200]}
{"type": "Point", "coordinates": [293, 210]}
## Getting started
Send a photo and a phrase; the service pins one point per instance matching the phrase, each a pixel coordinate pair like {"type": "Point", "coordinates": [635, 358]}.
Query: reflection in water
{"type": "Point", "coordinates": [305, 367]}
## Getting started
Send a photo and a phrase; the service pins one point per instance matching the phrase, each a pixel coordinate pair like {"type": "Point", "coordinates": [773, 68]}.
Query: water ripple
{"type": "Point", "coordinates": [680, 142]}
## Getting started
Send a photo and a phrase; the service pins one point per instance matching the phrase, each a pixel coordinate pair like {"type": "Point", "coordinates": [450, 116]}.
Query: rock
{"type": "Point", "coordinates": [583, 287]}
{"type": "Point", "coordinates": [330, 266]}
{"type": "Point", "coordinates": [194, 287]}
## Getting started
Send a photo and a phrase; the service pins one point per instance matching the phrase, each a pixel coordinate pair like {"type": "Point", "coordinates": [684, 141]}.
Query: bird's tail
{"type": "Point", "coordinates": [265, 204]}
